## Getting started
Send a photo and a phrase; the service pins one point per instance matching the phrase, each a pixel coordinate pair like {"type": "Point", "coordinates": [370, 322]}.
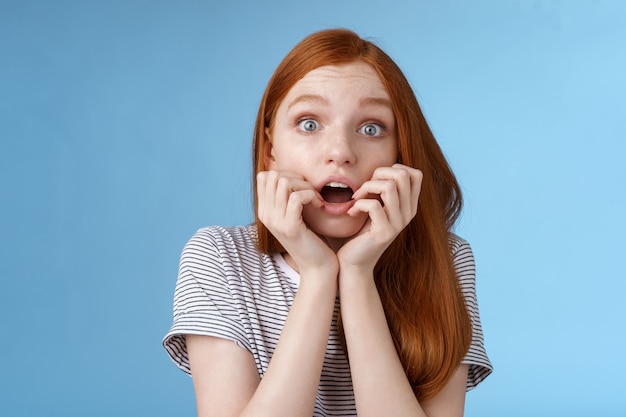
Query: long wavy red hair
{"type": "Point", "coordinates": [416, 278]}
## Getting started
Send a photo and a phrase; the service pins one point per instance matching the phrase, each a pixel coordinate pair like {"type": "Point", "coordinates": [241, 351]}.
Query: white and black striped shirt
{"type": "Point", "coordinates": [226, 288]}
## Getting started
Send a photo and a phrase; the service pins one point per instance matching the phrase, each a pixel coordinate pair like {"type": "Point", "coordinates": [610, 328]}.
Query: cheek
{"type": "Point", "coordinates": [382, 154]}
{"type": "Point", "coordinates": [291, 160]}
{"type": "Point", "coordinates": [333, 226]}
{"type": "Point", "coordinates": [382, 159]}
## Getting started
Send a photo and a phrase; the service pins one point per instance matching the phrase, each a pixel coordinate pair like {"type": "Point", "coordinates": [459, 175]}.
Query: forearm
{"type": "Point", "coordinates": [381, 387]}
{"type": "Point", "coordinates": [290, 384]}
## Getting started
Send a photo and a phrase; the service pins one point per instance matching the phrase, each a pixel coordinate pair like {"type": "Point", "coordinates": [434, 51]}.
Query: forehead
{"type": "Point", "coordinates": [355, 77]}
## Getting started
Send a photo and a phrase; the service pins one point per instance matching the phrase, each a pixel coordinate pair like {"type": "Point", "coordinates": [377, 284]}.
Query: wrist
{"type": "Point", "coordinates": [354, 280]}
{"type": "Point", "coordinates": [326, 272]}
{"type": "Point", "coordinates": [319, 284]}
{"type": "Point", "coordinates": [324, 277]}
{"type": "Point", "coordinates": [360, 272]}
{"type": "Point", "coordinates": [328, 268]}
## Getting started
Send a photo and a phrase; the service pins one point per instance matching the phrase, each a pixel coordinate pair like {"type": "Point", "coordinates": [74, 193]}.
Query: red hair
{"type": "Point", "coordinates": [415, 277]}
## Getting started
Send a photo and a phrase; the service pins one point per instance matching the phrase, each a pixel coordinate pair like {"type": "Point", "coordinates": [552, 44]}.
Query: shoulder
{"type": "Point", "coordinates": [476, 358]}
{"type": "Point", "coordinates": [464, 264]}
{"type": "Point", "coordinates": [222, 252]}
{"type": "Point", "coordinates": [457, 244]}
{"type": "Point", "coordinates": [223, 240]}
{"type": "Point", "coordinates": [216, 263]}
{"type": "Point", "coordinates": [462, 254]}
{"type": "Point", "coordinates": [220, 235]}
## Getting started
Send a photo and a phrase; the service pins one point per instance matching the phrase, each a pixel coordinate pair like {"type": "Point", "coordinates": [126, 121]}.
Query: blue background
{"type": "Point", "coordinates": [126, 125]}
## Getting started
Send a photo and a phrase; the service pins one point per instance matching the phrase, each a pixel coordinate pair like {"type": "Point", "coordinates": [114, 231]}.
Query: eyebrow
{"type": "Point", "coordinates": [317, 99]}
{"type": "Point", "coordinates": [376, 101]}
{"type": "Point", "coordinates": [311, 98]}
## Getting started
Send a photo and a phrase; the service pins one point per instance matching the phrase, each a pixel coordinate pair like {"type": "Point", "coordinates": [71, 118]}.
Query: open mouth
{"type": "Point", "coordinates": [336, 192]}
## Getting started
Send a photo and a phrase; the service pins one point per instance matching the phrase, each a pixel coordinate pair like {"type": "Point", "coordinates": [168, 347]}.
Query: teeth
{"type": "Point", "coordinates": [337, 185]}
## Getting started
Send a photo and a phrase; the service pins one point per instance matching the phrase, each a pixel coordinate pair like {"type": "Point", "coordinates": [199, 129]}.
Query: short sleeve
{"type": "Point", "coordinates": [203, 300]}
{"type": "Point", "coordinates": [479, 365]}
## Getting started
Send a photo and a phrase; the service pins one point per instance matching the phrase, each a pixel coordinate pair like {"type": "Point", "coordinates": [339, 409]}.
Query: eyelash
{"type": "Point", "coordinates": [302, 120]}
{"type": "Point", "coordinates": [382, 127]}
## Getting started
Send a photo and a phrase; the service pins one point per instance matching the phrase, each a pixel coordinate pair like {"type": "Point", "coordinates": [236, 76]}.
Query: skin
{"type": "Point", "coordinates": [335, 124]}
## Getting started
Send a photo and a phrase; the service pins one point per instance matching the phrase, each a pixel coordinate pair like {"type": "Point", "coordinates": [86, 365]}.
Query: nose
{"type": "Point", "coordinates": [339, 148]}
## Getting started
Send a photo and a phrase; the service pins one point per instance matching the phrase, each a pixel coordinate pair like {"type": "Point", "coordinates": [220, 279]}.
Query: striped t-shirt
{"type": "Point", "coordinates": [226, 288]}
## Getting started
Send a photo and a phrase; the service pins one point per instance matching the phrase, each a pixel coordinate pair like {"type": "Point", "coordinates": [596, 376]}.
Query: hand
{"type": "Point", "coordinates": [282, 196]}
{"type": "Point", "coordinates": [397, 189]}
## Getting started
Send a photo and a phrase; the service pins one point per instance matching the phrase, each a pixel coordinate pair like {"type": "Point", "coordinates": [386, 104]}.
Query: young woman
{"type": "Point", "coordinates": [349, 294]}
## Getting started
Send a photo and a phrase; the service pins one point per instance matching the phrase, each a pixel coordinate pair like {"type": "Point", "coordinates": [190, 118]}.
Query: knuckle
{"type": "Point", "coordinates": [379, 171]}
{"type": "Point", "coordinates": [389, 186]}
{"type": "Point", "coordinates": [271, 175]}
{"type": "Point", "coordinates": [283, 182]}
{"type": "Point", "coordinates": [295, 197]}
{"type": "Point", "coordinates": [374, 204]}
{"type": "Point", "coordinates": [403, 175]}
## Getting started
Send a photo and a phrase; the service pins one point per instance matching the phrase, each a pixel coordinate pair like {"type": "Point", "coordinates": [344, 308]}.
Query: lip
{"type": "Point", "coordinates": [337, 209]}
{"type": "Point", "coordinates": [344, 180]}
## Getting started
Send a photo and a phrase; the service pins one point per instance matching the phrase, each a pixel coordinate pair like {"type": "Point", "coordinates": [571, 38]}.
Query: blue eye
{"type": "Point", "coordinates": [308, 125]}
{"type": "Point", "coordinates": [372, 129]}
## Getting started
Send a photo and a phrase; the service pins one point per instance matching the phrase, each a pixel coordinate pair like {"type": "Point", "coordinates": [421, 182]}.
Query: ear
{"type": "Point", "coordinates": [268, 151]}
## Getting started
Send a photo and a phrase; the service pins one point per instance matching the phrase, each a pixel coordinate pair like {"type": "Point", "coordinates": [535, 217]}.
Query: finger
{"type": "Point", "coordinates": [289, 174]}
{"type": "Point", "coordinates": [269, 202]}
{"type": "Point", "coordinates": [416, 185]}
{"type": "Point", "coordinates": [408, 201]}
{"type": "Point", "coordinates": [288, 185]}
{"type": "Point", "coordinates": [398, 175]}
{"type": "Point", "coordinates": [388, 193]}
{"type": "Point", "coordinates": [415, 174]}
{"type": "Point", "coordinates": [398, 180]}
{"type": "Point", "coordinates": [409, 182]}
{"type": "Point", "coordinates": [261, 185]}
{"type": "Point", "coordinates": [380, 227]}
{"type": "Point", "coordinates": [297, 201]}
{"type": "Point", "coordinates": [276, 206]}
{"type": "Point", "coordinates": [273, 192]}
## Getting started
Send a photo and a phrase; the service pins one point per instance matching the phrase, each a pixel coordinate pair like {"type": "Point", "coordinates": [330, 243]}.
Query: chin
{"type": "Point", "coordinates": [339, 228]}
